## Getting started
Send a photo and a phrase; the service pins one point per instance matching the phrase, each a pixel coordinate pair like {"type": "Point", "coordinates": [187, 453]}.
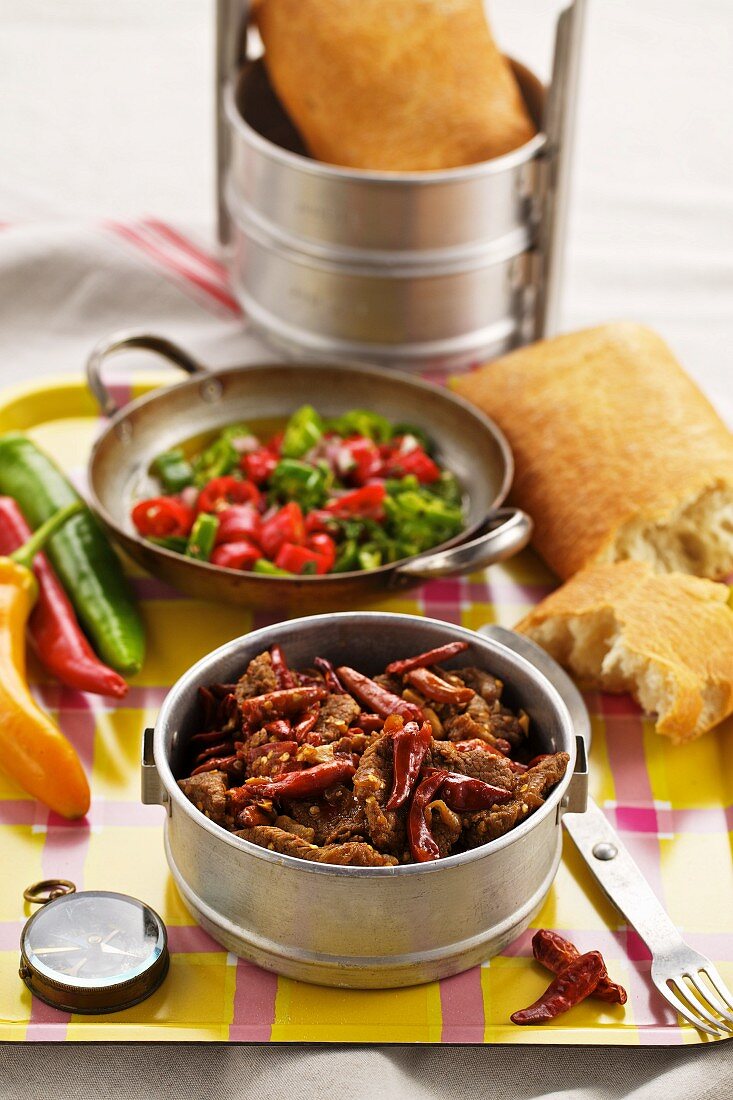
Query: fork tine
{"type": "Point", "coordinates": [697, 1009]}
{"type": "Point", "coordinates": [713, 976]}
{"type": "Point", "coordinates": [711, 1000]}
{"type": "Point", "coordinates": [683, 1010]}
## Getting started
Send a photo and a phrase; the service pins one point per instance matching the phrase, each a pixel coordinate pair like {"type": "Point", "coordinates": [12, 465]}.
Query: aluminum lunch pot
{"type": "Point", "coordinates": [467, 442]}
{"type": "Point", "coordinates": [352, 926]}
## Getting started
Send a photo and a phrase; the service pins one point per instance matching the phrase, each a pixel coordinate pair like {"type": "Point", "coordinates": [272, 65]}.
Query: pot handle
{"type": "Point", "coordinates": [124, 341]}
{"type": "Point", "coordinates": [504, 533]}
{"type": "Point", "coordinates": [152, 791]}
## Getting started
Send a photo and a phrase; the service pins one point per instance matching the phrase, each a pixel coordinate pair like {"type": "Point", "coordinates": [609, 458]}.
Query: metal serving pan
{"type": "Point", "coordinates": [467, 442]}
{"type": "Point", "coordinates": [352, 926]}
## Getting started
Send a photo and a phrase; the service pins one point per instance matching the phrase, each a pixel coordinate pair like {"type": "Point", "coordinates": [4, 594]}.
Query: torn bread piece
{"type": "Point", "coordinates": [667, 639]}
{"type": "Point", "coordinates": [618, 455]}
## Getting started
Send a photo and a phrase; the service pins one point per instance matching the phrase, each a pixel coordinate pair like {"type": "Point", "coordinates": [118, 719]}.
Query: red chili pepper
{"type": "Point", "coordinates": [236, 555]}
{"type": "Point", "coordinates": [370, 723]}
{"type": "Point", "coordinates": [218, 764]}
{"type": "Point", "coordinates": [367, 502]}
{"type": "Point", "coordinates": [221, 492]}
{"type": "Point", "coordinates": [422, 843]}
{"type": "Point", "coordinates": [324, 545]}
{"type": "Point", "coordinates": [409, 746]}
{"type": "Point", "coordinates": [372, 694]}
{"type": "Point", "coordinates": [279, 730]}
{"type": "Point", "coordinates": [329, 675]}
{"type": "Point", "coordinates": [285, 526]}
{"type": "Point", "coordinates": [283, 674]}
{"type": "Point", "coordinates": [163, 517]}
{"type": "Point", "coordinates": [556, 953]}
{"type": "Point", "coordinates": [501, 748]}
{"type": "Point", "coordinates": [424, 660]}
{"type": "Point", "coordinates": [462, 792]}
{"type": "Point", "coordinates": [272, 755]}
{"type": "Point", "coordinates": [259, 465]}
{"type": "Point", "coordinates": [318, 521]}
{"type": "Point", "coordinates": [414, 462]}
{"type": "Point", "coordinates": [302, 731]}
{"type": "Point", "coordinates": [280, 704]}
{"type": "Point", "coordinates": [220, 748]}
{"type": "Point", "coordinates": [305, 783]}
{"type": "Point", "coordinates": [275, 443]}
{"type": "Point", "coordinates": [432, 687]}
{"type": "Point", "coordinates": [299, 559]}
{"type": "Point", "coordinates": [367, 461]}
{"type": "Point", "coordinates": [53, 629]}
{"type": "Point", "coordinates": [571, 986]}
{"type": "Point", "coordinates": [239, 523]}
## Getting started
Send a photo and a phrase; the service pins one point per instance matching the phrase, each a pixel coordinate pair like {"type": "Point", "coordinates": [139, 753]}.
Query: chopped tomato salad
{"type": "Point", "coordinates": [322, 496]}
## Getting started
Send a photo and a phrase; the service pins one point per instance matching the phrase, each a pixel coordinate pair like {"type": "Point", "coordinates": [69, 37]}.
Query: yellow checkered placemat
{"type": "Point", "coordinates": [673, 806]}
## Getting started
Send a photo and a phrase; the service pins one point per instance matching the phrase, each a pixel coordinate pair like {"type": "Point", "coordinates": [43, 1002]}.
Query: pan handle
{"type": "Point", "coordinates": [124, 341]}
{"type": "Point", "coordinates": [504, 533]}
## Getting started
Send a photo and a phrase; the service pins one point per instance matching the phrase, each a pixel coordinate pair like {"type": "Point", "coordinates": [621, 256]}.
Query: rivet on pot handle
{"type": "Point", "coordinates": [152, 791]}
{"type": "Point", "coordinates": [125, 341]}
{"type": "Point", "coordinates": [504, 533]}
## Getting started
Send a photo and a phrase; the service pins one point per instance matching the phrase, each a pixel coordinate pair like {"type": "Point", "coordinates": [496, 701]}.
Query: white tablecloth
{"type": "Point", "coordinates": [106, 114]}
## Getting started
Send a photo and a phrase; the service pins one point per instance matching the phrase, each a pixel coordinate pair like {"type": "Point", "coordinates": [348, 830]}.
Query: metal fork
{"type": "Point", "coordinates": [688, 980]}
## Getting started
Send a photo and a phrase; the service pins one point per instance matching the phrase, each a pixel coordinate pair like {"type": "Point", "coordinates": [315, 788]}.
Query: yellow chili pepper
{"type": "Point", "coordinates": [33, 750]}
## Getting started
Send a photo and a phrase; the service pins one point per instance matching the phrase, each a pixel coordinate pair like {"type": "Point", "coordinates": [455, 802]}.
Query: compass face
{"type": "Point", "coordinates": [93, 939]}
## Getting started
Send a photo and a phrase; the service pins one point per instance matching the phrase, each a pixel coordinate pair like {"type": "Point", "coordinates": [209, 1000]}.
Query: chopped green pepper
{"type": "Point", "coordinates": [369, 557]}
{"type": "Point", "coordinates": [172, 542]}
{"type": "Point", "coordinates": [262, 565]}
{"type": "Point", "coordinates": [219, 458]}
{"type": "Point", "coordinates": [295, 480]}
{"type": "Point", "coordinates": [347, 557]}
{"type": "Point", "coordinates": [174, 470]}
{"type": "Point", "coordinates": [362, 422]}
{"type": "Point", "coordinates": [203, 535]}
{"type": "Point", "coordinates": [302, 431]}
{"type": "Point", "coordinates": [404, 429]}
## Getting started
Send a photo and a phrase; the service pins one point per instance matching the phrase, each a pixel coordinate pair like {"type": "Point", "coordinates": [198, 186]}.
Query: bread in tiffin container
{"type": "Point", "coordinates": [393, 85]}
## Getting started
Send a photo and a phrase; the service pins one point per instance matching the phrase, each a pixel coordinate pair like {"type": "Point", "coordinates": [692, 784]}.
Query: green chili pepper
{"type": "Point", "coordinates": [88, 567]}
{"type": "Point", "coordinates": [347, 558]}
{"type": "Point", "coordinates": [369, 557]}
{"type": "Point", "coordinates": [262, 565]}
{"type": "Point", "coordinates": [302, 432]}
{"type": "Point", "coordinates": [448, 488]}
{"type": "Point", "coordinates": [203, 536]}
{"type": "Point", "coordinates": [362, 422]}
{"type": "Point", "coordinates": [172, 542]}
{"type": "Point", "coordinates": [219, 458]}
{"type": "Point", "coordinates": [295, 480]}
{"type": "Point", "coordinates": [174, 470]}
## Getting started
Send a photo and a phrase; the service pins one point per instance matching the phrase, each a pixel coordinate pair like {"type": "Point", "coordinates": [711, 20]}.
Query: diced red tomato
{"type": "Point", "coordinates": [275, 444]}
{"type": "Point", "coordinates": [365, 456]}
{"type": "Point", "coordinates": [318, 520]}
{"type": "Point", "coordinates": [163, 517]}
{"type": "Point", "coordinates": [236, 555]}
{"type": "Point", "coordinates": [221, 492]}
{"type": "Point", "coordinates": [367, 502]}
{"type": "Point", "coordinates": [285, 526]}
{"type": "Point", "coordinates": [299, 559]}
{"type": "Point", "coordinates": [414, 462]}
{"type": "Point", "coordinates": [259, 465]}
{"type": "Point", "coordinates": [241, 521]}
{"type": "Point", "coordinates": [324, 545]}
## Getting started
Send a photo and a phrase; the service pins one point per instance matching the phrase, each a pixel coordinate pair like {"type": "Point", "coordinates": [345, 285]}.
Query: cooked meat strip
{"type": "Point", "coordinates": [352, 854]}
{"type": "Point", "coordinates": [289, 825]}
{"type": "Point", "coordinates": [337, 816]}
{"type": "Point", "coordinates": [530, 789]}
{"type": "Point", "coordinates": [483, 683]}
{"type": "Point", "coordinates": [336, 715]}
{"type": "Point", "coordinates": [513, 728]}
{"type": "Point", "coordinates": [372, 786]}
{"type": "Point", "coordinates": [258, 679]}
{"type": "Point", "coordinates": [208, 792]}
{"type": "Point", "coordinates": [477, 763]}
{"type": "Point", "coordinates": [352, 742]}
{"type": "Point", "coordinates": [445, 825]}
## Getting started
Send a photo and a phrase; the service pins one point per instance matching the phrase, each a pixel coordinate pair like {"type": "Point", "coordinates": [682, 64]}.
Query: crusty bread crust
{"type": "Point", "coordinates": [393, 85]}
{"type": "Point", "coordinates": [666, 638]}
{"type": "Point", "coordinates": [608, 432]}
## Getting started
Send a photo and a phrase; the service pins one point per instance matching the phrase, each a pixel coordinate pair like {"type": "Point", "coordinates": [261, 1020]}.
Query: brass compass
{"type": "Point", "coordinates": [91, 951]}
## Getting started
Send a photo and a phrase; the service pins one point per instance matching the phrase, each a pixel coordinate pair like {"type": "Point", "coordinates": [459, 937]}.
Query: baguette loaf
{"type": "Point", "coordinates": [618, 454]}
{"type": "Point", "coordinates": [666, 639]}
{"type": "Point", "coordinates": [393, 85]}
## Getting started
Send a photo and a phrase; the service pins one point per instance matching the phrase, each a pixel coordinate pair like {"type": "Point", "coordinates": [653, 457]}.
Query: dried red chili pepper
{"type": "Point", "coordinates": [370, 723]}
{"type": "Point", "coordinates": [440, 691]}
{"type": "Point", "coordinates": [301, 784]}
{"type": "Point", "coordinates": [571, 986]}
{"type": "Point", "coordinates": [283, 703]}
{"type": "Point", "coordinates": [422, 843]}
{"type": "Point", "coordinates": [254, 815]}
{"type": "Point", "coordinates": [462, 792]}
{"type": "Point", "coordinates": [221, 748]}
{"type": "Point", "coordinates": [409, 746]}
{"type": "Point", "coordinates": [424, 660]}
{"type": "Point", "coordinates": [302, 731]}
{"type": "Point", "coordinates": [283, 674]}
{"type": "Point", "coordinates": [219, 764]}
{"type": "Point", "coordinates": [273, 759]}
{"type": "Point", "coordinates": [333, 683]}
{"type": "Point", "coordinates": [279, 730]}
{"type": "Point", "coordinates": [372, 694]}
{"type": "Point", "coordinates": [555, 952]}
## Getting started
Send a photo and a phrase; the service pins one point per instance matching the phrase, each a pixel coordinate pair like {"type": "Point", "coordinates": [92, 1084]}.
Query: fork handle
{"type": "Point", "coordinates": [616, 871]}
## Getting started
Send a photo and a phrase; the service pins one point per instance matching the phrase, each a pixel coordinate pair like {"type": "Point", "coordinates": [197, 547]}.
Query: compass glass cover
{"type": "Point", "coordinates": [93, 938]}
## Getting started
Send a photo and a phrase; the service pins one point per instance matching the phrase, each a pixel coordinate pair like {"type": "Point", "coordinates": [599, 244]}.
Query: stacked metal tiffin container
{"type": "Point", "coordinates": [420, 269]}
